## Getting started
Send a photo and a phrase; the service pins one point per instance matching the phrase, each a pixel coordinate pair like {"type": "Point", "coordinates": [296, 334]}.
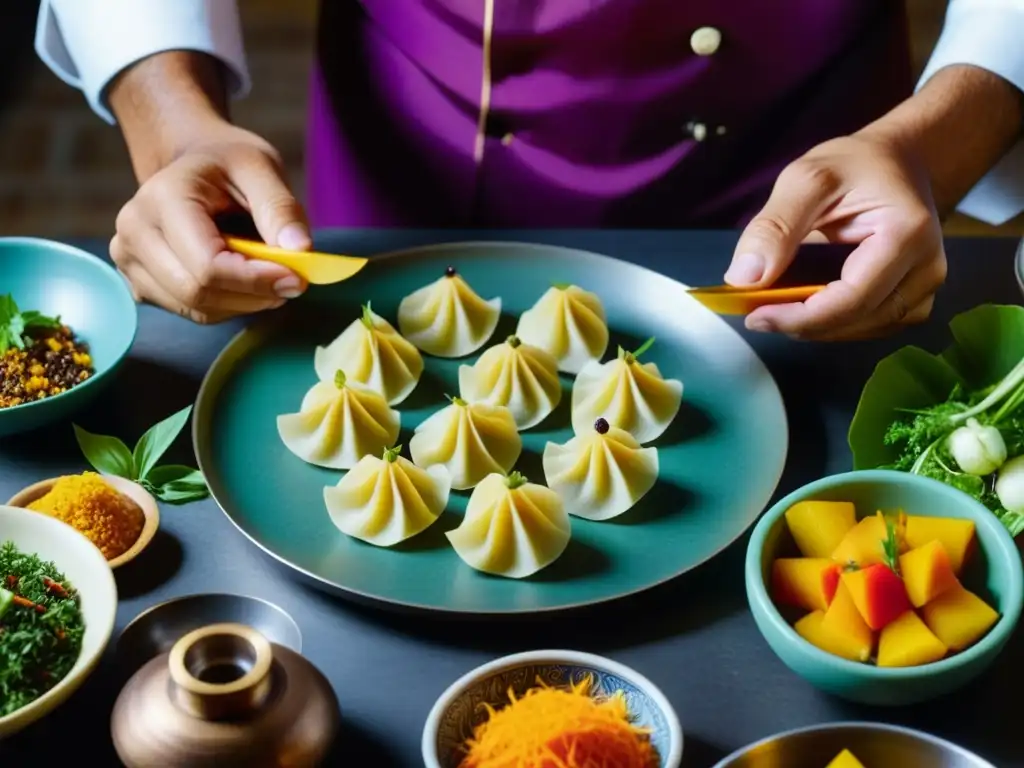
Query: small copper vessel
{"type": "Point", "coordinates": [225, 696]}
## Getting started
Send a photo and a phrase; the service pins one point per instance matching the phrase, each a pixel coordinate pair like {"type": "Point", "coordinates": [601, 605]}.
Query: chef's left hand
{"type": "Point", "coordinates": [862, 190]}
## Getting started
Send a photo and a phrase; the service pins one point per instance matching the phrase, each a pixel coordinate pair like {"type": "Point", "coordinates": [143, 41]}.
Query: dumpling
{"type": "Point", "coordinates": [516, 375]}
{"type": "Point", "coordinates": [447, 318]}
{"type": "Point", "coordinates": [600, 474]}
{"type": "Point", "coordinates": [338, 423]}
{"type": "Point", "coordinates": [372, 352]}
{"type": "Point", "coordinates": [629, 395]}
{"type": "Point", "coordinates": [383, 501]}
{"type": "Point", "coordinates": [568, 322]}
{"type": "Point", "coordinates": [470, 440]}
{"type": "Point", "coordinates": [512, 528]}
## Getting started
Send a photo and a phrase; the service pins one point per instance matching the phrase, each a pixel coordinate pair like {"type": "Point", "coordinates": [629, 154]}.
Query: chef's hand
{"type": "Point", "coordinates": [860, 190]}
{"type": "Point", "coordinates": [172, 252]}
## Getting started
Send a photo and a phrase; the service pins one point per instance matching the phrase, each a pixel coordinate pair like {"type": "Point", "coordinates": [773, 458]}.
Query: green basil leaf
{"type": "Point", "coordinates": [106, 454]}
{"type": "Point", "coordinates": [174, 473]}
{"type": "Point", "coordinates": [181, 492]}
{"type": "Point", "coordinates": [157, 440]}
{"type": "Point", "coordinates": [34, 319]}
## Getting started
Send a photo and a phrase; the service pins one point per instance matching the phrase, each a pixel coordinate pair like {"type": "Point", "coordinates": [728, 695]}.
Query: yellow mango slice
{"type": "Point", "coordinates": [810, 629]}
{"type": "Point", "coordinates": [957, 536]}
{"type": "Point", "coordinates": [959, 618]}
{"type": "Point", "coordinates": [907, 642]}
{"type": "Point", "coordinates": [843, 619]}
{"type": "Point", "coordinates": [845, 759]}
{"type": "Point", "coordinates": [804, 582]}
{"type": "Point", "coordinates": [819, 526]}
{"type": "Point", "coordinates": [862, 544]}
{"type": "Point", "coordinates": [927, 573]}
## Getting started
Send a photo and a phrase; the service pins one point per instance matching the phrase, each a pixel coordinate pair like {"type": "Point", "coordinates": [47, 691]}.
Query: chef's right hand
{"type": "Point", "coordinates": [172, 252]}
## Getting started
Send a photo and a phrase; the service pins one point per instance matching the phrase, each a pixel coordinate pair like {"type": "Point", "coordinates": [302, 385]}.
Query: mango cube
{"type": "Point", "coordinates": [959, 618]}
{"type": "Point", "coordinates": [907, 642]}
{"type": "Point", "coordinates": [810, 629]}
{"type": "Point", "coordinates": [843, 619]}
{"type": "Point", "coordinates": [819, 526]}
{"type": "Point", "coordinates": [927, 573]}
{"type": "Point", "coordinates": [845, 759]}
{"type": "Point", "coordinates": [804, 582]}
{"type": "Point", "coordinates": [878, 593]}
{"type": "Point", "coordinates": [957, 536]}
{"type": "Point", "coordinates": [863, 544]}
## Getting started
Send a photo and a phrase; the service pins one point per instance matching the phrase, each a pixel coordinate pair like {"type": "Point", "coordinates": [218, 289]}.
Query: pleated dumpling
{"type": "Point", "coordinates": [471, 440]}
{"type": "Point", "coordinates": [512, 528]}
{"type": "Point", "coordinates": [447, 318]}
{"type": "Point", "coordinates": [521, 377]}
{"type": "Point", "coordinates": [338, 423]}
{"type": "Point", "coordinates": [600, 474]}
{"type": "Point", "coordinates": [568, 322]}
{"type": "Point", "coordinates": [372, 352]}
{"type": "Point", "coordinates": [628, 394]}
{"type": "Point", "coordinates": [384, 501]}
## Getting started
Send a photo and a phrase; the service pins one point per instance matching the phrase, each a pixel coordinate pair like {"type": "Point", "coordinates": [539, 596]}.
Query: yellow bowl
{"type": "Point", "coordinates": [133, 491]}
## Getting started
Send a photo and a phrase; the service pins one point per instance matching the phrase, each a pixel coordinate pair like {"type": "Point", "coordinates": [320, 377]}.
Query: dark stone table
{"type": "Point", "coordinates": [694, 637]}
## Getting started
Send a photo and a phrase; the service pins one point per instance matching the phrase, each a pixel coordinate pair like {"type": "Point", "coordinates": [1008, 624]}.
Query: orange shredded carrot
{"type": "Point", "coordinates": [560, 728]}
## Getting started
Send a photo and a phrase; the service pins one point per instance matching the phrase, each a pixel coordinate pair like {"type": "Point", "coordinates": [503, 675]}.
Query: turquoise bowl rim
{"type": "Point", "coordinates": [1005, 549]}
{"type": "Point", "coordinates": [578, 658]}
{"type": "Point", "coordinates": [94, 262]}
{"type": "Point", "coordinates": [913, 733]}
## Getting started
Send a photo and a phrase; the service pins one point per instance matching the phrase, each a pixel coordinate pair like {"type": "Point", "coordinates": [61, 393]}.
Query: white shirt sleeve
{"type": "Point", "coordinates": [87, 43]}
{"type": "Point", "coordinates": [987, 34]}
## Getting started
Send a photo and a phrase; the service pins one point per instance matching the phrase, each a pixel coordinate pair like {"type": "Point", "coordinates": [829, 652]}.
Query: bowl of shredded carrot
{"type": "Point", "coordinates": [552, 709]}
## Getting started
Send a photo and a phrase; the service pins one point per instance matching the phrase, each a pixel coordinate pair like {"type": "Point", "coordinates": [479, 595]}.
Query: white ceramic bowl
{"type": "Point", "coordinates": [458, 709]}
{"type": "Point", "coordinates": [87, 570]}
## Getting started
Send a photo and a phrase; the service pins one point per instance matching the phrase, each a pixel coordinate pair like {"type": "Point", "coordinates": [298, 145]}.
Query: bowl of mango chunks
{"type": "Point", "coordinates": [853, 745]}
{"type": "Point", "coordinates": [883, 587]}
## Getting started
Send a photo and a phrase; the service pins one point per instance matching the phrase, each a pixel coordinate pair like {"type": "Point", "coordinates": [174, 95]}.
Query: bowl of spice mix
{"type": "Point", "coordinates": [67, 321]}
{"type": "Point", "coordinates": [118, 516]}
{"type": "Point", "coordinates": [546, 708]}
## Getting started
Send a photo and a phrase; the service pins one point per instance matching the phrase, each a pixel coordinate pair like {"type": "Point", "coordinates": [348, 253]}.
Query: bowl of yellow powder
{"type": "Point", "coordinates": [552, 708]}
{"type": "Point", "coordinates": [118, 516]}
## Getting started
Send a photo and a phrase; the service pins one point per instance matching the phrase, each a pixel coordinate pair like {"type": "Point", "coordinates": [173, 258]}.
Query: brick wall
{"type": "Point", "coordinates": [64, 173]}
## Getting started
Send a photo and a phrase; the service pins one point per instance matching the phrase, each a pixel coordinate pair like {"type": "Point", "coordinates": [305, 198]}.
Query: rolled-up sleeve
{"type": "Point", "coordinates": [87, 43]}
{"type": "Point", "coordinates": [987, 34]}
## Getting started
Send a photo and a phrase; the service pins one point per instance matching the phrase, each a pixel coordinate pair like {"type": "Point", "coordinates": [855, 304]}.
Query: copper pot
{"type": "Point", "coordinates": [225, 696]}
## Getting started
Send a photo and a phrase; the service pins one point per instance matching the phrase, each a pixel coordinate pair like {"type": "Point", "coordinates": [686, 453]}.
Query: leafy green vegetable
{"type": "Point", "coordinates": [171, 483]}
{"type": "Point", "coordinates": [41, 628]}
{"type": "Point", "coordinates": [15, 325]}
{"type": "Point", "coordinates": [915, 400]}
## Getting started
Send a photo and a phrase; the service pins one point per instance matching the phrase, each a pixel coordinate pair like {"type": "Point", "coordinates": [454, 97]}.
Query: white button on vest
{"type": "Point", "coordinates": [705, 41]}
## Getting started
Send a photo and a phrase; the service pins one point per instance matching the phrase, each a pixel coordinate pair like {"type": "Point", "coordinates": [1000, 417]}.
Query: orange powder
{"type": "Point", "coordinates": [558, 728]}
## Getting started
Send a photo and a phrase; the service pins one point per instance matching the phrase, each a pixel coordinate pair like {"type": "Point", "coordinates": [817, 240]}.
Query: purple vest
{"type": "Point", "coordinates": [584, 113]}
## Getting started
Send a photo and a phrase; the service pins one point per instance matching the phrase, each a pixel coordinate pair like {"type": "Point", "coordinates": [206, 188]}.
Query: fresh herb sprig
{"type": "Point", "coordinates": [16, 325]}
{"type": "Point", "coordinates": [171, 483]}
{"type": "Point", "coordinates": [921, 437]}
{"type": "Point", "coordinates": [891, 546]}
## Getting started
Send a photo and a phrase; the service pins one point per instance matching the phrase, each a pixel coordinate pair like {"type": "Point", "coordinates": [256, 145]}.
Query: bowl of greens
{"type": "Point", "coordinates": [58, 601]}
{"type": "Point", "coordinates": [67, 321]}
{"type": "Point", "coordinates": [956, 416]}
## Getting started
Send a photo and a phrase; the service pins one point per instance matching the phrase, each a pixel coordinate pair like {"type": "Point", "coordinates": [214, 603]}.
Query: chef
{"type": "Point", "coordinates": [795, 119]}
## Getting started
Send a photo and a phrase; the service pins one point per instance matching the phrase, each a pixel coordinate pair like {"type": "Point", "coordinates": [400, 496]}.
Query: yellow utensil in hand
{"type": "Point", "coordinates": [729, 300]}
{"type": "Point", "coordinates": [315, 268]}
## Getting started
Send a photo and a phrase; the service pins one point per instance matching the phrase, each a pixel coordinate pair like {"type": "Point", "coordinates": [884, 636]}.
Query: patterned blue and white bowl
{"type": "Point", "coordinates": [460, 708]}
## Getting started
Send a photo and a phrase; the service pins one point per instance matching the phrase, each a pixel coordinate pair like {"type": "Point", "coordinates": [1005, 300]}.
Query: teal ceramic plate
{"type": "Point", "coordinates": [720, 461]}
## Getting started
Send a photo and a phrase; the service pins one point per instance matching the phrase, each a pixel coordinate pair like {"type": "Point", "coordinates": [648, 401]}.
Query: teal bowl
{"type": "Point", "coordinates": [994, 573]}
{"type": "Point", "coordinates": [90, 297]}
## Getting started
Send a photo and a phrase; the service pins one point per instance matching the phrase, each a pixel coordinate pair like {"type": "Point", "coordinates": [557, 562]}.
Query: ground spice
{"type": "Point", "coordinates": [558, 728]}
{"type": "Point", "coordinates": [108, 519]}
{"type": "Point", "coordinates": [52, 362]}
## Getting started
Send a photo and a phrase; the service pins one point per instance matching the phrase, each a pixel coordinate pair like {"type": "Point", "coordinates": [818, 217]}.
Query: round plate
{"type": "Point", "coordinates": [720, 460]}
